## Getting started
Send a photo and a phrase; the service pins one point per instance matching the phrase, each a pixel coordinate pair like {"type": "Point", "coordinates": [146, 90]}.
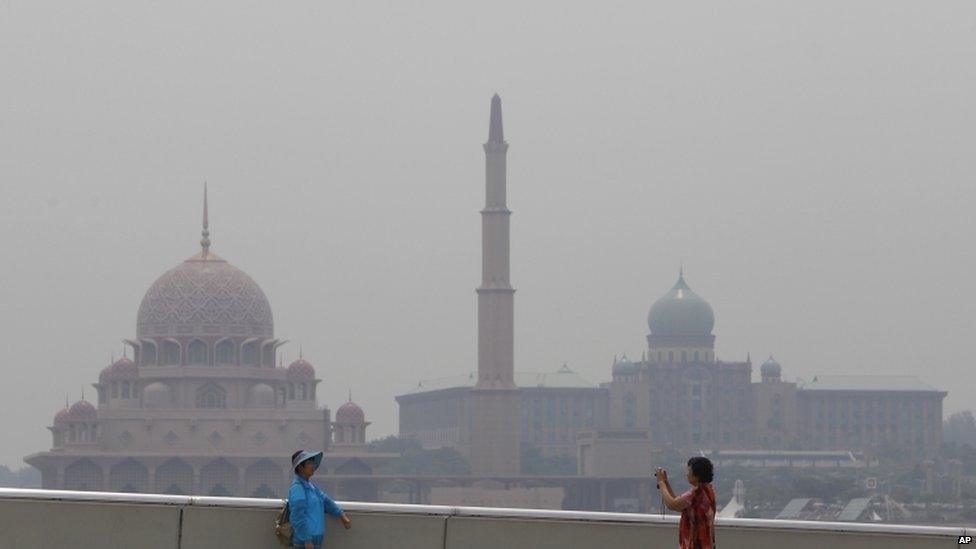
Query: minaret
{"type": "Point", "coordinates": [495, 399]}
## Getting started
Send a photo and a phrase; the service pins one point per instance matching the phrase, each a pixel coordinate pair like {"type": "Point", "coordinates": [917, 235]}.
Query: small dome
{"type": "Point", "coordinates": [770, 367]}
{"type": "Point", "coordinates": [62, 415]}
{"type": "Point", "coordinates": [301, 369]}
{"type": "Point", "coordinates": [350, 412]}
{"type": "Point", "coordinates": [624, 366]}
{"type": "Point", "coordinates": [82, 410]}
{"type": "Point", "coordinates": [121, 368]}
{"type": "Point", "coordinates": [156, 395]}
{"type": "Point", "coordinates": [681, 312]}
{"type": "Point", "coordinates": [261, 396]}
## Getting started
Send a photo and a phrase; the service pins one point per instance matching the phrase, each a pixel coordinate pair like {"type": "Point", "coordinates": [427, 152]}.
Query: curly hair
{"type": "Point", "coordinates": [702, 468]}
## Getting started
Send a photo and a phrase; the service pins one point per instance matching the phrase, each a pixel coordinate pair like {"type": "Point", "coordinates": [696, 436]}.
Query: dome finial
{"type": "Point", "coordinates": [205, 241]}
{"type": "Point", "coordinates": [301, 353]}
{"type": "Point", "coordinates": [350, 395]}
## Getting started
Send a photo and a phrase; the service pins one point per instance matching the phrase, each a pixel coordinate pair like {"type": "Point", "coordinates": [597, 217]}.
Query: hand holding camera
{"type": "Point", "coordinates": [661, 475]}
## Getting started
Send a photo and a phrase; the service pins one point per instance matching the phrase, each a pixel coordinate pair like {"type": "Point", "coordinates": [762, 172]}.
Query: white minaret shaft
{"type": "Point", "coordinates": [495, 295]}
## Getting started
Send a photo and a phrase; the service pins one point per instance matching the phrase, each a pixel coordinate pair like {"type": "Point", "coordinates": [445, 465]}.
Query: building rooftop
{"type": "Point", "coordinates": [864, 382]}
{"type": "Point", "coordinates": [854, 508]}
{"type": "Point", "coordinates": [793, 508]}
{"type": "Point", "coordinates": [563, 378]}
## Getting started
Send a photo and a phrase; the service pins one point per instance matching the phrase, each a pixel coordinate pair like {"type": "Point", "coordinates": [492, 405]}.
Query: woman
{"type": "Point", "coordinates": [697, 527]}
{"type": "Point", "coordinates": [308, 505]}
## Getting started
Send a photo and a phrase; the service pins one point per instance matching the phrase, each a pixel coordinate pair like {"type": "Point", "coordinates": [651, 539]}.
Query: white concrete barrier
{"type": "Point", "coordinates": [80, 520]}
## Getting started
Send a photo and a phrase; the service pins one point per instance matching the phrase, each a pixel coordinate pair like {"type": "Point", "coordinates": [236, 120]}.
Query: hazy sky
{"type": "Point", "coordinates": [811, 165]}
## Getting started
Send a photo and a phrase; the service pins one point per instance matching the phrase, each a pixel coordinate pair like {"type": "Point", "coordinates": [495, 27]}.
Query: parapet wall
{"type": "Point", "coordinates": [81, 520]}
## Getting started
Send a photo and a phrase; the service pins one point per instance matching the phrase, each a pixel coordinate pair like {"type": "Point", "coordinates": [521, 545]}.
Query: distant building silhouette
{"type": "Point", "coordinates": [679, 393]}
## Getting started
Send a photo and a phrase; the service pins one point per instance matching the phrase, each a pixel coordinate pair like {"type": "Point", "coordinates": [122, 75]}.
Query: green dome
{"type": "Point", "coordinates": [770, 367]}
{"type": "Point", "coordinates": [624, 366]}
{"type": "Point", "coordinates": [681, 312]}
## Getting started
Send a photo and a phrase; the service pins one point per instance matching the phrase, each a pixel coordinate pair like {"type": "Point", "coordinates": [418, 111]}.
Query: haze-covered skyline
{"type": "Point", "coordinates": [810, 166]}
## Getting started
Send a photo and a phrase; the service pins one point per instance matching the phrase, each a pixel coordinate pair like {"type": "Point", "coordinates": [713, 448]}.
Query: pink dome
{"type": "Point", "coordinates": [82, 410]}
{"type": "Point", "coordinates": [350, 412]}
{"type": "Point", "coordinates": [61, 416]}
{"type": "Point", "coordinates": [121, 368]}
{"type": "Point", "coordinates": [203, 296]}
{"type": "Point", "coordinates": [301, 369]}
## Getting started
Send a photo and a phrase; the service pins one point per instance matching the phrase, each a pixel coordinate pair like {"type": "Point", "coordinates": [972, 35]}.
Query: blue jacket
{"type": "Point", "coordinates": [307, 508]}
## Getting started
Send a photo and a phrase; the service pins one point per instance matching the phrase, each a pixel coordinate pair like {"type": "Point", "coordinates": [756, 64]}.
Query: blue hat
{"type": "Point", "coordinates": [305, 456]}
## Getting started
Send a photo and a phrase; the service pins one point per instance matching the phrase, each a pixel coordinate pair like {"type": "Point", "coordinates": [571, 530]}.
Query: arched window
{"type": "Point", "coordinates": [684, 356]}
{"type": "Point", "coordinates": [83, 475]}
{"type": "Point", "coordinates": [83, 433]}
{"type": "Point", "coordinates": [129, 476]}
{"type": "Point", "coordinates": [630, 415]}
{"type": "Point", "coordinates": [281, 396]}
{"type": "Point", "coordinates": [125, 389]}
{"type": "Point", "coordinates": [225, 353]}
{"type": "Point", "coordinates": [262, 479]}
{"type": "Point", "coordinates": [211, 395]}
{"type": "Point", "coordinates": [115, 389]}
{"type": "Point", "coordinates": [148, 354]}
{"type": "Point", "coordinates": [196, 353]}
{"type": "Point", "coordinates": [249, 354]}
{"type": "Point", "coordinates": [696, 356]}
{"type": "Point", "coordinates": [171, 353]}
{"type": "Point", "coordinates": [174, 477]}
{"type": "Point", "coordinates": [670, 356]}
{"type": "Point", "coordinates": [217, 478]}
{"type": "Point", "coordinates": [291, 391]}
{"type": "Point", "coordinates": [72, 436]}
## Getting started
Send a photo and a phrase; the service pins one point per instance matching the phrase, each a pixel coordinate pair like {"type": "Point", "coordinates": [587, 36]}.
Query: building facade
{"type": "Point", "coordinates": [554, 407]}
{"type": "Point", "coordinates": [201, 407]}
{"type": "Point", "coordinates": [683, 398]}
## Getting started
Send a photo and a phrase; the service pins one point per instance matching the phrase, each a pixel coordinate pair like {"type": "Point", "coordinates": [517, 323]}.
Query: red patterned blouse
{"type": "Point", "coordinates": [697, 527]}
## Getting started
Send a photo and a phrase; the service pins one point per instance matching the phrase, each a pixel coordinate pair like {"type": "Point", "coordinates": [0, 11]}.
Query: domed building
{"type": "Point", "coordinates": [681, 325]}
{"type": "Point", "coordinates": [687, 399]}
{"type": "Point", "coordinates": [201, 407]}
{"type": "Point", "coordinates": [679, 391]}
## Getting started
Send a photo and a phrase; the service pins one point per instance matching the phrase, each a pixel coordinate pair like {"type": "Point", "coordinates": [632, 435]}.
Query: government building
{"type": "Point", "coordinates": [679, 396]}
{"type": "Point", "coordinates": [202, 407]}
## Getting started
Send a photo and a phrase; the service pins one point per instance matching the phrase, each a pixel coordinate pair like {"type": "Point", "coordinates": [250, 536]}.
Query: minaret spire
{"type": "Point", "coordinates": [495, 401]}
{"type": "Point", "coordinates": [205, 241]}
{"type": "Point", "coordinates": [495, 131]}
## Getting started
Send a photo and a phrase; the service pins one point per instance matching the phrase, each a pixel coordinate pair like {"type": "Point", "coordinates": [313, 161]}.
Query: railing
{"type": "Point", "coordinates": [55, 518]}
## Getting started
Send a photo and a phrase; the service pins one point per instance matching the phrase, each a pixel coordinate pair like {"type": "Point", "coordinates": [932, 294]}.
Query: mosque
{"type": "Point", "coordinates": [203, 406]}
